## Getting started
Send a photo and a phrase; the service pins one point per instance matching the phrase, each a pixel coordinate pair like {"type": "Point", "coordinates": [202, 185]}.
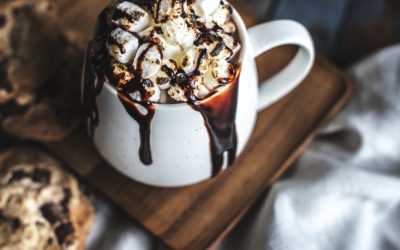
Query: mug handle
{"type": "Point", "coordinates": [269, 35]}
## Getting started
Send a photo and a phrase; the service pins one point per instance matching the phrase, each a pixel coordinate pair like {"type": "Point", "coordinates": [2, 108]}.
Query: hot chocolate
{"type": "Point", "coordinates": [167, 52]}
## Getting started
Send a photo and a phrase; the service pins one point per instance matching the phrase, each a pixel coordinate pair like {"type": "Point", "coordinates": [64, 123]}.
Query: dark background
{"type": "Point", "coordinates": [344, 31]}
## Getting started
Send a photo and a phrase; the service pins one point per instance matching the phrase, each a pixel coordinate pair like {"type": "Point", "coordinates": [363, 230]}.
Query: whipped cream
{"type": "Point", "coordinates": [175, 50]}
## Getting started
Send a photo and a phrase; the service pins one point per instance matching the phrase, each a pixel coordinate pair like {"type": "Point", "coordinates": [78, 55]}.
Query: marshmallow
{"type": "Point", "coordinates": [177, 32]}
{"type": "Point", "coordinates": [205, 7]}
{"type": "Point", "coordinates": [164, 75]}
{"type": "Point", "coordinates": [148, 60]}
{"type": "Point", "coordinates": [218, 51]}
{"type": "Point", "coordinates": [153, 92]}
{"type": "Point", "coordinates": [130, 16]}
{"type": "Point", "coordinates": [123, 45]}
{"type": "Point", "coordinates": [229, 27]}
{"type": "Point", "coordinates": [209, 81]}
{"type": "Point", "coordinates": [219, 73]}
{"type": "Point", "coordinates": [155, 35]}
{"type": "Point", "coordinates": [225, 49]}
{"type": "Point", "coordinates": [167, 46]}
{"type": "Point", "coordinates": [120, 72]}
{"type": "Point", "coordinates": [222, 71]}
{"type": "Point", "coordinates": [177, 93]}
{"type": "Point", "coordinates": [162, 9]}
{"type": "Point", "coordinates": [228, 40]}
{"type": "Point", "coordinates": [208, 22]}
{"type": "Point", "coordinates": [200, 89]}
{"type": "Point", "coordinates": [197, 82]}
{"type": "Point", "coordinates": [221, 14]}
{"type": "Point", "coordinates": [192, 61]}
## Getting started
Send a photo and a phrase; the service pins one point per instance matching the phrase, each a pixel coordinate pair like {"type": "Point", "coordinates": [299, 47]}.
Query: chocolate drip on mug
{"type": "Point", "coordinates": [92, 84]}
{"type": "Point", "coordinates": [219, 113]}
{"type": "Point", "coordinates": [93, 76]}
{"type": "Point", "coordinates": [98, 70]}
{"type": "Point", "coordinates": [144, 121]}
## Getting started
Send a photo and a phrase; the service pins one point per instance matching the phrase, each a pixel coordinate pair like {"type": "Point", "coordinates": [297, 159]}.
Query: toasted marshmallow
{"type": "Point", "coordinates": [167, 46]}
{"type": "Point", "coordinates": [200, 89]}
{"type": "Point", "coordinates": [179, 31]}
{"type": "Point", "coordinates": [162, 9]}
{"type": "Point", "coordinates": [229, 27]}
{"type": "Point", "coordinates": [130, 16]}
{"type": "Point", "coordinates": [153, 92]}
{"type": "Point", "coordinates": [222, 71]}
{"type": "Point", "coordinates": [219, 51]}
{"type": "Point", "coordinates": [195, 58]}
{"type": "Point", "coordinates": [120, 72]}
{"type": "Point", "coordinates": [207, 21]}
{"type": "Point", "coordinates": [205, 7]}
{"type": "Point", "coordinates": [226, 48]}
{"type": "Point", "coordinates": [164, 76]}
{"type": "Point", "coordinates": [124, 46]}
{"type": "Point", "coordinates": [148, 60]}
{"type": "Point", "coordinates": [221, 14]}
{"type": "Point", "coordinates": [155, 35]}
{"type": "Point", "coordinates": [209, 81]}
{"type": "Point", "coordinates": [219, 73]}
{"type": "Point", "coordinates": [197, 82]}
{"type": "Point", "coordinates": [228, 40]}
{"type": "Point", "coordinates": [177, 93]}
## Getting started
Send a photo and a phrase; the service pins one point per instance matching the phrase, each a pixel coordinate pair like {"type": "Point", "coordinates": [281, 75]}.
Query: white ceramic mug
{"type": "Point", "coordinates": [180, 143]}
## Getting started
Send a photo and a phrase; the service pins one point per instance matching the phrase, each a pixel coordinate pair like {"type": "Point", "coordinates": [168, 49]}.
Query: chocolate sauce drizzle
{"type": "Point", "coordinates": [98, 69]}
{"type": "Point", "coordinates": [90, 92]}
{"type": "Point", "coordinates": [218, 108]}
{"type": "Point", "coordinates": [120, 14]}
{"type": "Point", "coordinates": [144, 121]}
{"type": "Point", "coordinates": [219, 113]}
{"type": "Point", "coordinates": [113, 41]}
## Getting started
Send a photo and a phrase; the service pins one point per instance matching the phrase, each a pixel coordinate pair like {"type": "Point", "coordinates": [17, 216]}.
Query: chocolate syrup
{"type": "Point", "coordinates": [120, 14]}
{"type": "Point", "coordinates": [219, 113]}
{"type": "Point", "coordinates": [144, 121]}
{"type": "Point", "coordinates": [98, 70]}
{"type": "Point", "coordinates": [113, 41]}
{"type": "Point", "coordinates": [93, 75]}
{"type": "Point", "coordinates": [90, 92]}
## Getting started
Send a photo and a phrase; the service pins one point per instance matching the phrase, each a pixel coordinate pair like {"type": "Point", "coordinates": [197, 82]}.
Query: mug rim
{"type": "Point", "coordinates": [242, 34]}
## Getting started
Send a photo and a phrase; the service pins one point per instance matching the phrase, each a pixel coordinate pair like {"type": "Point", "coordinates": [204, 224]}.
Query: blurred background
{"type": "Point", "coordinates": [344, 31]}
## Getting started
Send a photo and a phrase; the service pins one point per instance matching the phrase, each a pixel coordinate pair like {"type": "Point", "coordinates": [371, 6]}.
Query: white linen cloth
{"type": "Point", "coordinates": [342, 193]}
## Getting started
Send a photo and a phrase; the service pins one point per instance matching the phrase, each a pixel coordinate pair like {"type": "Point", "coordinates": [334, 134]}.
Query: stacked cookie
{"type": "Point", "coordinates": [40, 65]}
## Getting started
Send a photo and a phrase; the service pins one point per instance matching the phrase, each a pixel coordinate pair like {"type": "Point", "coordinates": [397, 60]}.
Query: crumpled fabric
{"type": "Point", "coordinates": [342, 193]}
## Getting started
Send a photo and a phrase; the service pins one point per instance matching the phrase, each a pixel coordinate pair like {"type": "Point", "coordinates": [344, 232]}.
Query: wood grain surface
{"type": "Point", "coordinates": [196, 217]}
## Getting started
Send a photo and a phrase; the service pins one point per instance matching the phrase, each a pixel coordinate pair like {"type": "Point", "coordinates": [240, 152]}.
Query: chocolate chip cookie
{"type": "Point", "coordinates": [41, 205]}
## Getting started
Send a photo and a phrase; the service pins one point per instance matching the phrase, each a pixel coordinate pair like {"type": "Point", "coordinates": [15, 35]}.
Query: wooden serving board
{"type": "Point", "coordinates": [197, 216]}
